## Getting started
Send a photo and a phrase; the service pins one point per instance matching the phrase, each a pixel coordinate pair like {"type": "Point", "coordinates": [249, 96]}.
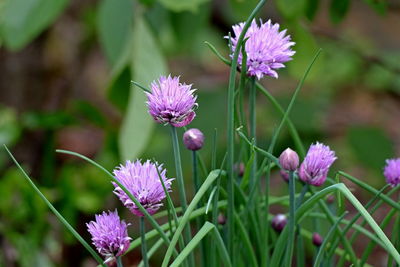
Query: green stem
{"type": "Point", "coordinates": [119, 261]}
{"type": "Point", "coordinates": [143, 238]}
{"type": "Point", "coordinates": [253, 124]}
{"type": "Point", "coordinates": [181, 185]}
{"type": "Point", "coordinates": [291, 224]}
{"type": "Point", "coordinates": [231, 133]}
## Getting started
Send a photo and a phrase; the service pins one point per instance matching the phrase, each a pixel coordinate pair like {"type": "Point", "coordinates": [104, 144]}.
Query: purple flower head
{"type": "Point", "coordinates": [316, 164]}
{"type": "Point", "coordinates": [143, 182]}
{"type": "Point", "coordinates": [266, 48]}
{"type": "Point", "coordinates": [109, 234]}
{"type": "Point", "coordinates": [392, 171]}
{"type": "Point", "coordinates": [193, 139]}
{"type": "Point", "coordinates": [171, 102]}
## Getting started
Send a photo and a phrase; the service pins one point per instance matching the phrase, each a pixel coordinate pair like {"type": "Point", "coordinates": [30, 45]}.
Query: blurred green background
{"type": "Point", "coordinates": [65, 82]}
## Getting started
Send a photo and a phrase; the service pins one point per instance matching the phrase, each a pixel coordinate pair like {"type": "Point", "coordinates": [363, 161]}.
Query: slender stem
{"type": "Point", "coordinates": [231, 131]}
{"type": "Point", "coordinates": [252, 120]}
{"type": "Point", "coordinates": [119, 261]}
{"type": "Point", "coordinates": [292, 191]}
{"type": "Point", "coordinates": [195, 172]}
{"type": "Point", "coordinates": [178, 167]}
{"type": "Point", "coordinates": [181, 185]}
{"type": "Point", "coordinates": [143, 238]}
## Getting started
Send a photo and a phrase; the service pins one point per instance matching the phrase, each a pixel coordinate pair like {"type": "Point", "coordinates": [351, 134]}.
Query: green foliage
{"type": "Point", "coordinates": [371, 146]}
{"type": "Point", "coordinates": [22, 20]}
{"type": "Point", "coordinates": [178, 5]}
{"type": "Point", "coordinates": [339, 9]}
{"type": "Point", "coordinates": [147, 64]}
{"type": "Point", "coordinates": [114, 23]}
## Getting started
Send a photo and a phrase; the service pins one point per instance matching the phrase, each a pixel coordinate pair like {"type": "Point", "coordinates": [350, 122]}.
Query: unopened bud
{"type": "Point", "coordinates": [317, 239]}
{"type": "Point", "coordinates": [221, 219]}
{"type": "Point", "coordinates": [193, 139]}
{"type": "Point", "coordinates": [239, 168]}
{"type": "Point", "coordinates": [279, 222]}
{"type": "Point", "coordinates": [289, 160]}
{"type": "Point", "coordinates": [284, 175]}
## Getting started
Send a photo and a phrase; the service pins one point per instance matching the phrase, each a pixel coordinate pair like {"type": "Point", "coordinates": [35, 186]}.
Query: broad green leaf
{"type": "Point", "coordinates": [378, 6]}
{"type": "Point", "coordinates": [370, 145]}
{"type": "Point", "coordinates": [114, 23]}
{"type": "Point", "coordinates": [311, 9]}
{"type": "Point", "coordinates": [22, 20]}
{"type": "Point", "coordinates": [338, 10]}
{"type": "Point", "coordinates": [9, 126]}
{"type": "Point", "coordinates": [180, 5]}
{"type": "Point", "coordinates": [147, 65]}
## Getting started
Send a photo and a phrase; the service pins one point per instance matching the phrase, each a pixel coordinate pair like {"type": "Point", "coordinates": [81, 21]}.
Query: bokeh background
{"type": "Point", "coordinates": [65, 82]}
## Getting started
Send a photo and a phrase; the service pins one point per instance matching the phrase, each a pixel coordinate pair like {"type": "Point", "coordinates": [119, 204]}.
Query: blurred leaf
{"type": "Point", "coordinates": [378, 77]}
{"type": "Point", "coordinates": [311, 9]}
{"type": "Point", "coordinates": [243, 8]}
{"type": "Point", "coordinates": [291, 9]}
{"type": "Point", "coordinates": [9, 127]}
{"type": "Point", "coordinates": [179, 5]}
{"type": "Point", "coordinates": [114, 23]}
{"type": "Point", "coordinates": [147, 65]}
{"type": "Point", "coordinates": [306, 48]}
{"type": "Point", "coordinates": [42, 120]}
{"type": "Point", "coordinates": [379, 6]}
{"type": "Point", "coordinates": [22, 20]}
{"type": "Point", "coordinates": [370, 145]}
{"type": "Point", "coordinates": [118, 90]}
{"type": "Point", "coordinates": [338, 10]}
{"type": "Point", "coordinates": [90, 112]}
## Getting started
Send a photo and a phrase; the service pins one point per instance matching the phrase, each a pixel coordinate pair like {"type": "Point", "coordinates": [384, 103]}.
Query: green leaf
{"type": "Point", "coordinates": [311, 9]}
{"type": "Point", "coordinates": [114, 23]}
{"type": "Point", "coordinates": [179, 5]}
{"type": "Point", "coordinates": [338, 10]}
{"type": "Point", "coordinates": [291, 9]}
{"type": "Point", "coordinates": [22, 20]}
{"type": "Point", "coordinates": [9, 126]}
{"type": "Point", "coordinates": [370, 145]}
{"type": "Point", "coordinates": [147, 65]}
{"type": "Point", "coordinates": [242, 8]}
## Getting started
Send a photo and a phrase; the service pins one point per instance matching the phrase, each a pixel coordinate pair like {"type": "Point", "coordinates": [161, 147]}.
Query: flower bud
{"type": "Point", "coordinates": [289, 160]}
{"type": "Point", "coordinates": [239, 168]}
{"type": "Point", "coordinates": [279, 222]}
{"type": "Point", "coordinates": [193, 139]}
{"type": "Point", "coordinates": [221, 219]}
{"type": "Point", "coordinates": [317, 239]}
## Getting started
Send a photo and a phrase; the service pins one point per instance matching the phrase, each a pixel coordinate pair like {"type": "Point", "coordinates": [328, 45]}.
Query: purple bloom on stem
{"type": "Point", "coordinates": [109, 234]}
{"type": "Point", "coordinates": [316, 164]}
{"type": "Point", "coordinates": [392, 171]}
{"type": "Point", "coordinates": [143, 182]}
{"type": "Point", "coordinates": [266, 48]}
{"type": "Point", "coordinates": [171, 102]}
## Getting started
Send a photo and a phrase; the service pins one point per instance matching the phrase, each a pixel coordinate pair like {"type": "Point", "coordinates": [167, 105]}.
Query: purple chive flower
{"type": "Point", "coordinates": [285, 175]}
{"type": "Point", "coordinates": [193, 139]}
{"type": "Point", "coordinates": [316, 164]}
{"type": "Point", "coordinates": [266, 48]}
{"type": "Point", "coordinates": [109, 234]}
{"type": "Point", "coordinates": [392, 171]}
{"type": "Point", "coordinates": [143, 182]}
{"type": "Point", "coordinates": [171, 102]}
{"type": "Point", "coordinates": [289, 160]}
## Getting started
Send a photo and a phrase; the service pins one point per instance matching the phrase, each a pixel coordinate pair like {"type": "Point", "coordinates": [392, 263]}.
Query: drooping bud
{"type": "Point", "coordinates": [317, 239]}
{"type": "Point", "coordinates": [289, 160]}
{"type": "Point", "coordinates": [193, 139]}
{"type": "Point", "coordinates": [284, 175]}
{"type": "Point", "coordinates": [279, 222]}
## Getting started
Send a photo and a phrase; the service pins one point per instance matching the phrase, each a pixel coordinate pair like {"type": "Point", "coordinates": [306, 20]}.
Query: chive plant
{"type": "Point", "coordinates": [249, 233]}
